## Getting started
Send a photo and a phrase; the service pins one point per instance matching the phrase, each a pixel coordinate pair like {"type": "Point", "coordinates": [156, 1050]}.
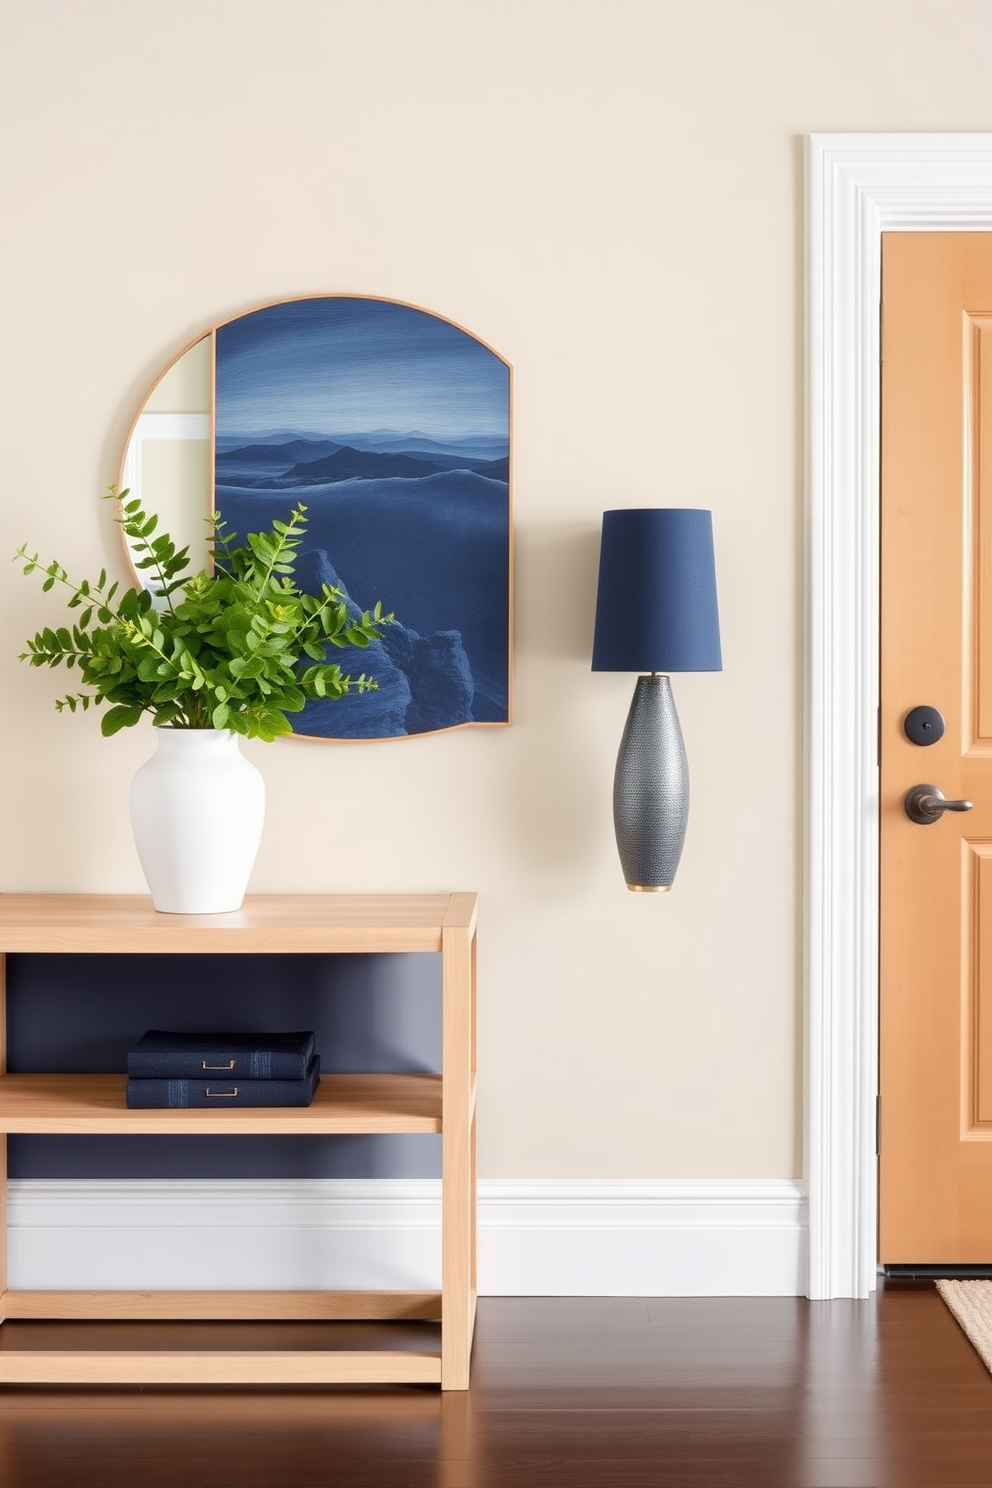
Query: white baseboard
{"type": "Point", "coordinates": [536, 1237]}
{"type": "Point", "coordinates": [703, 1238]}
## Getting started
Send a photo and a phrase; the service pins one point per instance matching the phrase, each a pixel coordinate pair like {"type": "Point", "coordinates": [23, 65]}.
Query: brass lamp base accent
{"type": "Point", "coordinates": [649, 888]}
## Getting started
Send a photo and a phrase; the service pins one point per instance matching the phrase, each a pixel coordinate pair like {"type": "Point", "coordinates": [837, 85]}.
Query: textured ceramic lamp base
{"type": "Point", "coordinates": [651, 789]}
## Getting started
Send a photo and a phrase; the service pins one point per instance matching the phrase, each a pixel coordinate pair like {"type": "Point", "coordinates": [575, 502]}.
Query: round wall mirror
{"type": "Point", "coordinates": [391, 425]}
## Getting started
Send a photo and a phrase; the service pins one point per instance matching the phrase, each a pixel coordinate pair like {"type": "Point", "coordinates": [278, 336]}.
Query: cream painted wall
{"type": "Point", "coordinates": [609, 192]}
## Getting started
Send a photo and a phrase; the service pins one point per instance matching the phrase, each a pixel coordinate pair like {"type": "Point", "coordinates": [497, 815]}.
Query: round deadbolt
{"type": "Point", "coordinates": [923, 725]}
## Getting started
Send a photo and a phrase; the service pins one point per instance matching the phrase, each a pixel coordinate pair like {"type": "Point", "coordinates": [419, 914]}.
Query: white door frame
{"type": "Point", "coordinates": [858, 186]}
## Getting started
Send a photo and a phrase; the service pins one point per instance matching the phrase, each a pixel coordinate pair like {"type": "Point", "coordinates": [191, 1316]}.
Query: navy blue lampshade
{"type": "Point", "coordinates": [656, 608]}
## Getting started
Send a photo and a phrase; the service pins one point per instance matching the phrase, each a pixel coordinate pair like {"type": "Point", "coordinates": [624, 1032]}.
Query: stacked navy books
{"type": "Point", "coordinates": [222, 1069]}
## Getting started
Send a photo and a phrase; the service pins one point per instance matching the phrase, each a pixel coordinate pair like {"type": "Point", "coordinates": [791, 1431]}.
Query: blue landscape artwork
{"type": "Point", "coordinates": [392, 426]}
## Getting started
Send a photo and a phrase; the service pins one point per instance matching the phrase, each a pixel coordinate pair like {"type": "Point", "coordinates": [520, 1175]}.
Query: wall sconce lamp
{"type": "Point", "coordinates": [656, 613]}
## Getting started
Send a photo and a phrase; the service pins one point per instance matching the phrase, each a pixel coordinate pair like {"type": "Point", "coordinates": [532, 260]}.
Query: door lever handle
{"type": "Point", "coordinates": [926, 804]}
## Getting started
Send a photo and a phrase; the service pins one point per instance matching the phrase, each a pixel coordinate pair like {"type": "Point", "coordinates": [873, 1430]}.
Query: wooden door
{"type": "Point", "coordinates": [936, 649]}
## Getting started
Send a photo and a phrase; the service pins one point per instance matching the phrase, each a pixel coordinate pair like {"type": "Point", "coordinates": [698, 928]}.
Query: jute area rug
{"type": "Point", "coordinates": [971, 1304]}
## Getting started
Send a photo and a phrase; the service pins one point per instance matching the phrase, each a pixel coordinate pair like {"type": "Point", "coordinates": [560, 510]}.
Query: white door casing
{"type": "Point", "coordinates": [857, 187]}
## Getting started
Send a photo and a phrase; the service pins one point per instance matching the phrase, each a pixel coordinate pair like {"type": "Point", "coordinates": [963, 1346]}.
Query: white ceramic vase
{"type": "Point", "coordinates": [197, 808]}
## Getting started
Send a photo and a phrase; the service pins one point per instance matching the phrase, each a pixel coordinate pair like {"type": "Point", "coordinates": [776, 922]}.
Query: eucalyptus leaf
{"type": "Point", "coordinates": [219, 649]}
{"type": "Point", "coordinates": [117, 718]}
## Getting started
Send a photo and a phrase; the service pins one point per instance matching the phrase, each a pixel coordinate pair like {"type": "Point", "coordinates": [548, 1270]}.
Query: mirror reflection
{"type": "Point", "coordinates": [167, 463]}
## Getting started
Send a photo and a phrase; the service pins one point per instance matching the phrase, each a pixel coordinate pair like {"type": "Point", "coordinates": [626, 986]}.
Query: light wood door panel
{"type": "Point", "coordinates": [935, 1159]}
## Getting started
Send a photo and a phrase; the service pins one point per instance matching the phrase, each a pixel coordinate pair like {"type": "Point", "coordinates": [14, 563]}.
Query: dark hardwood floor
{"type": "Point", "coordinates": [666, 1392]}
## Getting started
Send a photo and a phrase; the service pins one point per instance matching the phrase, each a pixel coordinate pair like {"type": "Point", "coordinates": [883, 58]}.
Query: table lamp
{"type": "Point", "coordinates": [656, 612]}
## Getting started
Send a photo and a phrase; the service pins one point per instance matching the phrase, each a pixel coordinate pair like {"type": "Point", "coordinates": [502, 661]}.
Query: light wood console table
{"type": "Point", "coordinates": [78, 924]}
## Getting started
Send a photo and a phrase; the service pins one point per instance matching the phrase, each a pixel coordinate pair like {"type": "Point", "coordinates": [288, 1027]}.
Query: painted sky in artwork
{"type": "Point", "coordinates": [340, 364]}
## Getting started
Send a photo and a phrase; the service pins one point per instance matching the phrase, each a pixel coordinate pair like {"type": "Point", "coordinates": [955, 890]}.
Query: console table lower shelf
{"type": "Point", "coordinates": [328, 1364]}
{"type": "Point", "coordinates": [93, 1105]}
{"type": "Point", "coordinates": [172, 1361]}
{"type": "Point", "coordinates": [425, 1337]}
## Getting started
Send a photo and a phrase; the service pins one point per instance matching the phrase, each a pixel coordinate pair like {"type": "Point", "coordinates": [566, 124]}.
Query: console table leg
{"type": "Point", "coordinates": [458, 1132]}
{"type": "Point", "coordinates": [3, 1142]}
{"type": "Point", "coordinates": [3, 1228]}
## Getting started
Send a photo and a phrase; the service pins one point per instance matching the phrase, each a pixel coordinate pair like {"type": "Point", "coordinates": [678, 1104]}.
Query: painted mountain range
{"type": "Point", "coordinates": [427, 537]}
{"type": "Point", "coordinates": [295, 462]}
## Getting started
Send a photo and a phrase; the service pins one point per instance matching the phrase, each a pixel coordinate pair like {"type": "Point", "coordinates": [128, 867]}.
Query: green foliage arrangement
{"type": "Point", "coordinates": [226, 649]}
